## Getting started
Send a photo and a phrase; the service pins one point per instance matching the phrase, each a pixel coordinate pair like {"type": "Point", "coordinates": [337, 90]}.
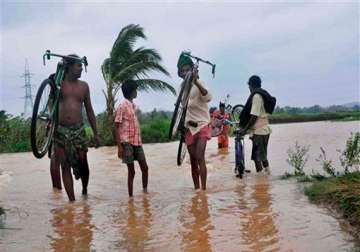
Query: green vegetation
{"type": "Point", "coordinates": [155, 131]}
{"type": "Point", "coordinates": [343, 192]}
{"type": "Point", "coordinates": [316, 113]}
{"type": "Point", "coordinates": [338, 116]}
{"type": "Point", "coordinates": [339, 189]}
{"type": "Point", "coordinates": [297, 158]}
{"type": "Point", "coordinates": [350, 157]}
{"type": "Point", "coordinates": [14, 133]}
{"type": "Point", "coordinates": [154, 126]}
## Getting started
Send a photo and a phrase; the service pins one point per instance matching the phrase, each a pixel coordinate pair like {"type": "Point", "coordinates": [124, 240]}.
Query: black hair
{"type": "Point", "coordinates": [254, 81]}
{"type": "Point", "coordinates": [68, 62]}
{"type": "Point", "coordinates": [212, 110]}
{"type": "Point", "coordinates": [221, 105]}
{"type": "Point", "coordinates": [128, 87]}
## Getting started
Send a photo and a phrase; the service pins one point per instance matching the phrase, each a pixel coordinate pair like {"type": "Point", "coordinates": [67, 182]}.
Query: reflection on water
{"type": "Point", "coordinates": [258, 213]}
{"type": "Point", "coordinates": [257, 219]}
{"type": "Point", "coordinates": [196, 223]}
{"type": "Point", "coordinates": [223, 151]}
{"type": "Point", "coordinates": [72, 227]}
{"type": "Point", "coordinates": [134, 230]}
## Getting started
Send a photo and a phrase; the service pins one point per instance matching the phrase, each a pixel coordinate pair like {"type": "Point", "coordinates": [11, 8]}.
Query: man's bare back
{"type": "Point", "coordinates": [73, 95]}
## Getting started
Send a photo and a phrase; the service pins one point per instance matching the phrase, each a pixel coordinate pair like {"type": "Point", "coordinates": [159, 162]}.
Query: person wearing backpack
{"type": "Point", "coordinates": [254, 120]}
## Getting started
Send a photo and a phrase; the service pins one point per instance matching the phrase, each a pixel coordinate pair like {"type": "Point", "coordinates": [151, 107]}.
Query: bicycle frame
{"type": "Point", "coordinates": [60, 71]}
{"type": "Point", "coordinates": [213, 66]}
{"type": "Point", "coordinates": [177, 122]}
{"type": "Point", "coordinates": [196, 66]}
{"type": "Point", "coordinates": [46, 107]}
{"type": "Point", "coordinates": [239, 150]}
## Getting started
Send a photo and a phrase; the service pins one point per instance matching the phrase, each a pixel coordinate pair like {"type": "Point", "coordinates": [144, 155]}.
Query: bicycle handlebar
{"type": "Point", "coordinates": [213, 66]}
{"type": "Point", "coordinates": [48, 54]}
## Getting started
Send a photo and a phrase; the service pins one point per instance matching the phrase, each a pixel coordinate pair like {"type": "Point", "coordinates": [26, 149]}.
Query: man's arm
{"type": "Point", "coordinates": [196, 81]}
{"type": "Point", "coordinates": [249, 125]}
{"type": "Point", "coordinates": [91, 115]}
{"type": "Point", "coordinates": [202, 89]}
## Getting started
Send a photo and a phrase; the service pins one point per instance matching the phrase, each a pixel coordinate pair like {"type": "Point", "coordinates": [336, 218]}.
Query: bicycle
{"type": "Point", "coordinates": [217, 123]}
{"type": "Point", "coordinates": [177, 124]}
{"type": "Point", "coordinates": [239, 143]}
{"type": "Point", "coordinates": [46, 106]}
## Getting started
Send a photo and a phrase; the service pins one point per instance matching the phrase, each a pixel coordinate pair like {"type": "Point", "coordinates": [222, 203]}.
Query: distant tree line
{"type": "Point", "coordinates": [316, 109]}
{"type": "Point", "coordinates": [15, 130]}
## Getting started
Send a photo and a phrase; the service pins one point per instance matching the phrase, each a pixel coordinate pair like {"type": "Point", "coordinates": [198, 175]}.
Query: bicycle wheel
{"type": "Point", "coordinates": [236, 111]}
{"type": "Point", "coordinates": [180, 106]}
{"type": "Point", "coordinates": [181, 150]}
{"type": "Point", "coordinates": [239, 156]}
{"type": "Point", "coordinates": [43, 119]}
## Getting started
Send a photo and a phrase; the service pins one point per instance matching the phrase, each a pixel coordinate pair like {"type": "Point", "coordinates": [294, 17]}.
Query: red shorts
{"type": "Point", "coordinates": [204, 133]}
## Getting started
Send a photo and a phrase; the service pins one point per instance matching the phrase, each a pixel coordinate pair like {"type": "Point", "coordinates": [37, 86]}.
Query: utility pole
{"type": "Point", "coordinates": [28, 104]}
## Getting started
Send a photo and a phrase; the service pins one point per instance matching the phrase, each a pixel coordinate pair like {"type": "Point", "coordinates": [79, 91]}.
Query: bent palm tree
{"type": "Point", "coordinates": [125, 63]}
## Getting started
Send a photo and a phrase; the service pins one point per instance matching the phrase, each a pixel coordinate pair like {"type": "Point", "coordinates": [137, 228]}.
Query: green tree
{"type": "Point", "coordinates": [126, 62]}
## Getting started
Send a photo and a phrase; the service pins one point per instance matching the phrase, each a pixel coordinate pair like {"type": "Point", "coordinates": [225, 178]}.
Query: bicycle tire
{"type": "Point", "coordinates": [175, 116]}
{"type": "Point", "coordinates": [239, 156]}
{"type": "Point", "coordinates": [236, 110]}
{"type": "Point", "coordinates": [41, 120]}
{"type": "Point", "coordinates": [180, 106]}
{"type": "Point", "coordinates": [181, 150]}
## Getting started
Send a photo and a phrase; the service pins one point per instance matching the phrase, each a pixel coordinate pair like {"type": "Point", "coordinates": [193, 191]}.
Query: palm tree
{"type": "Point", "coordinates": [125, 63]}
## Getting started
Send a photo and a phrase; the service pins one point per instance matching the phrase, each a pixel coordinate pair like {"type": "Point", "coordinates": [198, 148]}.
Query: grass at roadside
{"type": "Point", "coordinates": [343, 192]}
{"type": "Point", "coordinates": [339, 116]}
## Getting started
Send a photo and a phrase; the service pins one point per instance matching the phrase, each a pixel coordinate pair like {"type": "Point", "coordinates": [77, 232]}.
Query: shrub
{"type": "Point", "coordinates": [350, 157]}
{"type": "Point", "coordinates": [326, 164]}
{"type": "Point", "coordinates": [156, 131]}
{"type": "Point", "coordinates": [297, 158]}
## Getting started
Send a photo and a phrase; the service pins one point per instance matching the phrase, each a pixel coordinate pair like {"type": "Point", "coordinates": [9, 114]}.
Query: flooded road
{"type": "Point", "coordinates": [259, 213]}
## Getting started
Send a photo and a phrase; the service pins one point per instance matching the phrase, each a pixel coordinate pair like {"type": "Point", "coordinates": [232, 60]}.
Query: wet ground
{"type": "Point", "coordinates": [259, 213]}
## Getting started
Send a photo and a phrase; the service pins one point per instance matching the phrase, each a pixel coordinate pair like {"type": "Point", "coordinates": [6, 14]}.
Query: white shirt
{"type": "Point", "coordinates": [261, 126]}
{"type": "Point", "coordinates": [198, 109]}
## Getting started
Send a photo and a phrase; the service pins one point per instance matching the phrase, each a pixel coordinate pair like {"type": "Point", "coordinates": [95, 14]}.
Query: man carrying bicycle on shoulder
{"type": "Point", "coordinates": [197, 121]}
{"type": "Point", "coordinates": [69, 138]}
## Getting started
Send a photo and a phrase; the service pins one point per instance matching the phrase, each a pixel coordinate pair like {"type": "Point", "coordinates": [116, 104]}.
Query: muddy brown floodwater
{"type": "Point", "coordinates": [259, 213]}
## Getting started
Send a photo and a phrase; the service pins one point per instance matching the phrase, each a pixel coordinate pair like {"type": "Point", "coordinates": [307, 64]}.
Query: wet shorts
{"type": "Point", "coordinates": [204, 133]}
{"type": "Point", "coordinates": [132, 152]}
{"type": "Point", "coordinates": [259, 148]}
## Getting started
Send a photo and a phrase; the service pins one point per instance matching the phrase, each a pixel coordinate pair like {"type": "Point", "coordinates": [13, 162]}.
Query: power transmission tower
{"type": "Point", "coordinates": [28, 104]}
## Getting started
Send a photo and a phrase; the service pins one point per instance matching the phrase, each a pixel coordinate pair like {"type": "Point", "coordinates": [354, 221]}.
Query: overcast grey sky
{"type": "Point", "coordinates": [306, 52]}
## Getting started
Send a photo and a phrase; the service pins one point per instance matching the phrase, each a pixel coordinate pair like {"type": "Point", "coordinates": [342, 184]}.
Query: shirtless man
{"type": "Point", "coordinates": [70, 139]}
